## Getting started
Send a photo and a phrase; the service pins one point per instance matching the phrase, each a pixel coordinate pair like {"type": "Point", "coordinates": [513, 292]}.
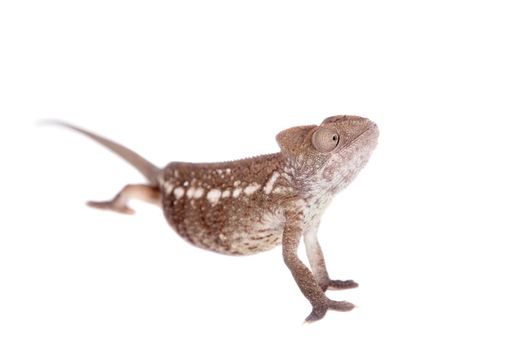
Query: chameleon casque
{"type": "Point", "coordinates": [251, 205]}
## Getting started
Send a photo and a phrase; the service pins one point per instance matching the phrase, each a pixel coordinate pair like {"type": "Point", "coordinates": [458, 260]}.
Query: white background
{"type": "Point", "coordinates": [432, 229]}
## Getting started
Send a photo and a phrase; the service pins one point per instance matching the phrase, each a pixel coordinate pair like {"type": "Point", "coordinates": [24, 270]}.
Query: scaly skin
{"type": "Point", "coordinates": [251, 205]}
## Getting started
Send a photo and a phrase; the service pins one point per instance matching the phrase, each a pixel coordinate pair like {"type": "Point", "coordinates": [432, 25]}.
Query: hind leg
{"type": "Point", "coordinates": [119, 203]}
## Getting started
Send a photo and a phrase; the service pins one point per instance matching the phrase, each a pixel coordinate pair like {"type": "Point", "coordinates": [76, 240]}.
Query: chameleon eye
{"type": "Point", "coordinates": [325, 140]}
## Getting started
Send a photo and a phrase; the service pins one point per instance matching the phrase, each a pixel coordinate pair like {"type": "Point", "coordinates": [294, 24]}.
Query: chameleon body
{"type": "Point", "coordinates": [251, 205]}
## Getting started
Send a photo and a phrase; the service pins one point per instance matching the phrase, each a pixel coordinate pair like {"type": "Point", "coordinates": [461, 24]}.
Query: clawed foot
{"type": "Point", "coordinates": [119, 203]}
{"type": "Point", "coordinates": [111, 205]}
{"type": "Point", "coordinates": [338, 285]}
{"type": "Point", "coordinates": [319, 311]}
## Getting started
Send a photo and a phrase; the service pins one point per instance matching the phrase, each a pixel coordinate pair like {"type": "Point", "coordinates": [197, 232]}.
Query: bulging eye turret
{"type": "Point", "coordinates": [325, 139]}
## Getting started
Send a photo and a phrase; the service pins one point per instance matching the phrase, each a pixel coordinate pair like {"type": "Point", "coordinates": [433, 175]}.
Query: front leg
{"type": "Point", "coordinates": [316, 260]}
{"type": "Point", "coordinates": [303, 276]}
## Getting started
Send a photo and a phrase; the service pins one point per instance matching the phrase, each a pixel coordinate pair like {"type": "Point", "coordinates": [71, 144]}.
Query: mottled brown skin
{"type": "Point", "coordinates": [252, 205]}
{"type": "Point", "coordinates": [229, 225]}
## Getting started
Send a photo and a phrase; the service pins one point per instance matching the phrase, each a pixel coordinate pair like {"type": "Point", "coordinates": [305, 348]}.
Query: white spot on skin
{"type": "Point", "coordinates": [236, 183]}
{"type": "Point", "coordinates": [226, 194]}
{"type": "Point", "coordinates": [190, 192]}
{"type": "Point", "coordinates": [269, 185]}
{"type": "Point", "coordinates": [251, 188]}
{"type": "Point", "coordinates": [168, 187]}
{"type": "Point", "coordinates": [198, 192]}
{"type": "Point", "coordinates": [287, 176]}
{"type": "Point", "coordinates": [179, 192]}
{"type": "Point", "coordinates": [280, 190]}
{"type": "Point", "coordinates": [186, 183]}
{"type": "Point", "coordinates": [228, 171]}
{"type": "Point", "coordinates": [214, 196]}
{"type": "Point", "coordinates": [236, 192]}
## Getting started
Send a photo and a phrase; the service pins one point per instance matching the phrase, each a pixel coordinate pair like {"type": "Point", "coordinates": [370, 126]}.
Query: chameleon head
{"type": "Point", "coordinates": [327, 157]}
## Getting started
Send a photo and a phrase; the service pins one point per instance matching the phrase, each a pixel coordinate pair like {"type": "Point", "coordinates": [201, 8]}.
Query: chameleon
{"type": "Point", "coordinates": [251, 205]}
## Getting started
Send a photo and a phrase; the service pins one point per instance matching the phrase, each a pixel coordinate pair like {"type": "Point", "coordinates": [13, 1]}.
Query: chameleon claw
{"type": "Point", "coordinates": [340, 305]}
{"type": "Point", "coordinates": [316, 315]}
{"type": "Point", "coordinates": [110, 205]}
{"type": "Point", "coordinates": [339, 284]}
{"type": "Point", "coordinates": [318, 312]}
{"type": "Point", "coordinates": [119, 203]}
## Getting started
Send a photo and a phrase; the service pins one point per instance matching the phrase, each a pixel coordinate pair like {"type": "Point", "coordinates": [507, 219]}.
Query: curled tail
{"type": "Point", "coordinates": [149, 170]}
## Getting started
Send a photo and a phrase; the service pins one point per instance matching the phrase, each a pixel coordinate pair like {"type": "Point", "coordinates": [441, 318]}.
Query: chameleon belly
{"type": "Point", "coordinates": [211, 207]}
